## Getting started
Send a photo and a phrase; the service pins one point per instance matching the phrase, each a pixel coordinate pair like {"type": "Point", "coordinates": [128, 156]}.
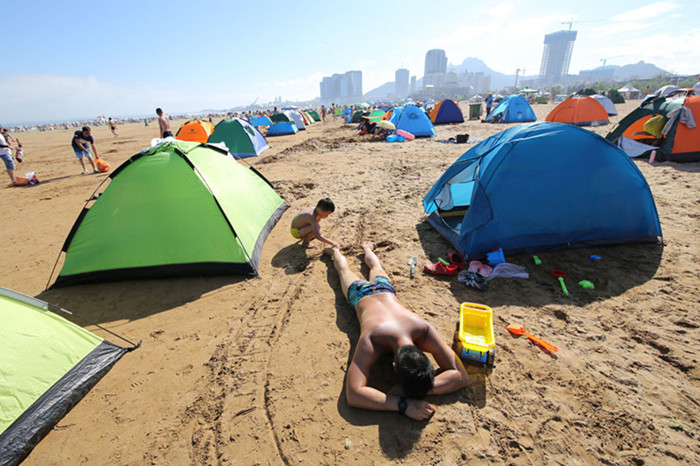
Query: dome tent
{"type": "Point", "coordinates": [241, 138]}
{"type": "Point", "coordinates": [512, 109]}
{"type": "Point", "coordinates": [446, 111]}
{"type": "Point", "coordinates": [581, 111]}
{"type": "Point", "coordinates": [176, 209]}
{"type": "Point", "coordinates": [196, 130]}
{"type": "Point", "coordinates": [531, 188]}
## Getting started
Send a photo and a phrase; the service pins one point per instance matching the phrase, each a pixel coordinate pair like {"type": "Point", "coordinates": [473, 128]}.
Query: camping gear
{"type": "Point", "coordinates": [607, 104]}
{"type": "Point", "coordinates": [102, 165]}
{"type": "Point", "coordinates": [48, 365]}
{"type": "Point", "coordinates": [581, 111]}
{"type": "Point", "coordinates": [412, 261]}
{"type": "Point", "coordinates": [446, 111]}
{"type": "Point", "coordinates": [412, 120]}
{"type": "Point", "coordinates": [512, 109]}
{"type": "Point", "coordinates": [262, 120]}
{"type": "Point", "coordinates": [282, 128]}
{"type": "Point", "coordinates": [197, 131]}
{"type": "Point", "coordinates": [586, 285]}
{"type": "Point", "coordinates": [240, 137]}
{"type": "Point", "coordinates": [474, 339]}
{"type": "Point", "coordinates": [462, 138]}
{"type": "Point", "coordinates": [517, 330]}
{"type": "Point", "coordinates": [560, 275]}
{"type": "Point", "coordinates": [314, 114]}
{"type": "Point", "coordinates": [439, 268]}
{"type": "Point", "coordinates": [297, 119]}
{"type": "Point", "coordinates": [537, 187]}
{"type": "Point", "coordinates": [680, 143]}
{"type": "Point", "coordinates": [177, 209]}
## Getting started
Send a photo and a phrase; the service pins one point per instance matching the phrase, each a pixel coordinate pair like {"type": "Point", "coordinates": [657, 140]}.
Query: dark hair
{"type": "Point", "coordinates": [85, 128]}
{"type": "Point", "coordinates": [326, 204]}
{"type": "Point", "coordinates": [415, 371]}
{"type": "Point", "coordinates": [159, 110]}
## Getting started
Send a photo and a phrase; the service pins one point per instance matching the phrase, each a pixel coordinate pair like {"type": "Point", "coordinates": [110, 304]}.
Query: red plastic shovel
{"type": "Point", "coordinates": [520, 330]}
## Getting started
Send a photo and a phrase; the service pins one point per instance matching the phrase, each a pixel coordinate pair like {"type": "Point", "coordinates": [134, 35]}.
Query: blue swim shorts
{"type": "Point", "coordinates": [9, 162]}
{"type": "Point", "coordinates": [79, 153]}
{"type": "Point", "coordinates": [361, 288]}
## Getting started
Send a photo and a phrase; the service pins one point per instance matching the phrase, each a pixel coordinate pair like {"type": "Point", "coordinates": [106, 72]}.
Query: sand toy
{"type": "Point", "coordinates": [560, 275]}
{"type": "Point", "coordinates": [520, 330]}
{"type": "Point", "coordinates": [474, 339]}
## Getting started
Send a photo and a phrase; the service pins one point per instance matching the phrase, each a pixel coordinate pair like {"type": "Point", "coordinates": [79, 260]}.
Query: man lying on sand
{"type": "Point", "coordinates": [387, 326]}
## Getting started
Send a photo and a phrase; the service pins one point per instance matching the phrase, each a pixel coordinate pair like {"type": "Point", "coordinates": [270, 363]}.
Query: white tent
{"type": "Point", "coordinates": [607, 104]}
{"type": "Point", "coordinates": [297, 119]}
{"type": "Point", "coordinates": [628, 91]}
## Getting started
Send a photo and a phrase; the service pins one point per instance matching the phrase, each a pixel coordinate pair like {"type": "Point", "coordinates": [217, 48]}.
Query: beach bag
{"type": "Point", "coordinates": [20, 181]}
{"type": "Point", "coordinates": [462, 138]}
{"type": "Point", "coordinates": [102, 166]}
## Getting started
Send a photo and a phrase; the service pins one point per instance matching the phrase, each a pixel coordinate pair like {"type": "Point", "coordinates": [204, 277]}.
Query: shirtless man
{"type": "Point", "coordinates": [387, 326]}
{"type": "Point", "coordinates": [163, 124]}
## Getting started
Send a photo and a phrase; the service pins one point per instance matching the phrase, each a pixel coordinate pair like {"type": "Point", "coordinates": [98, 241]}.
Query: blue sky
{"type": "Point", "coordinates": [75, 59]}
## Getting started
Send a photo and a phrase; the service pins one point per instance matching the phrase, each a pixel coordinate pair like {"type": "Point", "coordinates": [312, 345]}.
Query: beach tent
{"type": "Point", "coordinates": [413, 120]}
{"type": "Point", "coordinates": [680, 144]}
{"type": "Point", "coordinates": [338, 112]}
{"type": "Point", "coordinates": [197, 131]}
{"type": "Point", "coordinates": [665, 91]}
{"type": "Point", "coordinates": [262, 120]}
{"type": "Point", "coordinates": [585, 92]}
{"type": "Point", "coordinates": [581, 111]}
{"type": "Point", "coordinates": [241, 138]}
{"type": "Point", "coordinates": [347, 114]}
{"type": "Point", "coordinates": [282, 128]}
{"type": "Point", "coordinates": [176, 209]}
{"type": "Point", "coordinates": [295, 118]}
{"type": "Point", "coordinates": [542, 186]}
{"type": "Point", "coordinates": [606, 103]}
{"type": "Point", "coordinates": [512, 109]}
{"type": "Point", "coordinates": [615, 96]}
{"type": "Point", "coordinates": [281, 117]}
{"type": "Point", "coordinates": [314, 114]}
{"type": "Point", "coordinates": [356, 117]}
{"type": "Point", "coordinates": [630, 92]}
{"type": "Point", "coordinates": [48, 365]}
{"type": "Point", "coordinates": [308, 119]}
{"type": "Point", "coordinates": [446, 111]}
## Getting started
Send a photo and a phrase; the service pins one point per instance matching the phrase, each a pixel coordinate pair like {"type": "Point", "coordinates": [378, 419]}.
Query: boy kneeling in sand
{"type": "Point", "coordinates": [305, 225]}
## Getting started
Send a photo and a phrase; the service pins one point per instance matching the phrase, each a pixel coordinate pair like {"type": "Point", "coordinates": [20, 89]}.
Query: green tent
{"type": "Point", "coordinates": [47, 365]}
{"type": "Point", "coordinates": [357, 116]}
{"type": "Point", "coordinates": [314, 115]}
{"type": "Point", "coordinates": [177, 209]}
{"type": "Point", "coordinates": [615, 96]}
{"type": "Point", "coordinates": [240, 137]}
{"type": "Point", "coordinates": [338, 111]}
{"type": "Point", "coordinates": [280, 117]}
{"type": "Point", "coordinates": [375, 116]}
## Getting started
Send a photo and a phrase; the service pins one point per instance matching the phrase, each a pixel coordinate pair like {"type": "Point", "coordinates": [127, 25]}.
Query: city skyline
{"type": "Point", "coordinates": [119, 63]}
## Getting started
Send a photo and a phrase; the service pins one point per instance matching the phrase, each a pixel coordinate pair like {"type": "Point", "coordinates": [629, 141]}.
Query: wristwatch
{"type": "Point", "coordinates": [403, 404]}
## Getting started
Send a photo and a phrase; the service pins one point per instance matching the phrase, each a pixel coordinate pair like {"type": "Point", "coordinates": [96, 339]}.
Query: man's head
{"type": "Point", "coordinates": [86, 130]}
{"type": "Point", "coordinates": [325, 206]}
{"type": "Point", "coordinates": [159, 111]}
{"type": "Point", "coordinates": [416, 372]}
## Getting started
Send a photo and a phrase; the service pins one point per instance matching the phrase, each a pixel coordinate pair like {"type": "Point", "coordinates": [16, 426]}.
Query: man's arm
{"type": "Point", "coordinates": [359, 395]}
{"type": "Point", "coordinates": [454, 375]}
{"type": "Point", "coordinates": [94, 150]}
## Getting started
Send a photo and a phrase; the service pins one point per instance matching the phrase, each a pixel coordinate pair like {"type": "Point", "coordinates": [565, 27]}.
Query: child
{"type": "Point", "coordinates": [305, 225]}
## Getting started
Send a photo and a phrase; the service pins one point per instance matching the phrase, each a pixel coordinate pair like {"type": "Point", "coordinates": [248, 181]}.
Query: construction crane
{"type": "Point", "coordinates": [570, 23]}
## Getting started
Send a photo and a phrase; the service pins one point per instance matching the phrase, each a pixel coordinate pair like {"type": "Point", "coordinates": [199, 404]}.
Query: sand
{"type": "Point", "coordinates": [244, 370]}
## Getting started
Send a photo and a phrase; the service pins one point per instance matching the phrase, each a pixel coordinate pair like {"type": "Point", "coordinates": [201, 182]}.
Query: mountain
{"type": "Point", "coordinates": [639, 70]}
{"type": "Point", "coordinates": [498, 79]}
{"type": "Point", "coordinates": [381, 92]}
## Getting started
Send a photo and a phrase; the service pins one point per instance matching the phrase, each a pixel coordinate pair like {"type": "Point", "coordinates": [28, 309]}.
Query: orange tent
{"type": "Point", "coordinates": [580, 111]}
{"type": "Point", "coordinates": [198, 131]}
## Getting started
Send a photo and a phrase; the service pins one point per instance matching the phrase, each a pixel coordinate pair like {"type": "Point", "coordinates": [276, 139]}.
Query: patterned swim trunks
{"type": "Point", "coordinates": [361, 288]}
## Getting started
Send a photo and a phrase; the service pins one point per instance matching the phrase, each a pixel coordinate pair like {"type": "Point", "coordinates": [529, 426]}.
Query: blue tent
{"type": "Point", "coordinates": [446, 111]}
{"type": "Point", "coordinates": [542, 186]}
{"type": "Point", "coordinates": [512, 109]}
{"type": "Point", "coordinates": [282, 128]}
{"type": "Point", "coordinates": [414, 120]}
{"type": "Point", "coordinates": [260, 121]}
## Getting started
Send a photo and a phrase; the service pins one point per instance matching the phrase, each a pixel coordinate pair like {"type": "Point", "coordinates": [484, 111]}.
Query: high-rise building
{"type": "Point", "coordinates": [413, 84]}
{"type": "Point", "coordinates": [401, 82]}
{"type": "Point", "coordinates": [556, 57]}
{"type": "Point", "coordinates": [342, 88]}
{"type": "Point", "coordinates": [435, 67]}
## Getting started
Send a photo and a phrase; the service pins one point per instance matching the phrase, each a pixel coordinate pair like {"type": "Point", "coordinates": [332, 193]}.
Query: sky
{"type": "Point", "coordinates": [77, 60]}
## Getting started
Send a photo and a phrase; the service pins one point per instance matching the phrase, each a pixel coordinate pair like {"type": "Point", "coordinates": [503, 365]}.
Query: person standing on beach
{"type": "Point", "coordinates": [489, 103]}
{"type": "Point", "coordinates": [163, 124]}
{"type": "Point", "coordinates": [82, 142]}
{"type": "Point", "coordinates": [112, 126]}
{"type": "Point", "coordinates": [323, 113]}
{"type": "Point", "coordinates": [6, 155]}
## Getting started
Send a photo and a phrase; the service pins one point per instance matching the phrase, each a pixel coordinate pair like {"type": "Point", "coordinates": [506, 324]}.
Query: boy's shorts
{"type": "Point", "coordinates": [79, 153]}
{"type": "Point", "coordinates": [9, 162]}
{"type": "Point", "coordinates": [295, 233]}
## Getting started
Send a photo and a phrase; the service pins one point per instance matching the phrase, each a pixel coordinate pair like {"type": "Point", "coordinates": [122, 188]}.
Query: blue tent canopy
{"type": "Point", "coordinates": [447, 112]}
{"type": "Point", "coordinates": [512, 109]}
{"type": "Point", "coordinates": [414, 120]}
{"type": "Point", "coordinates": [260, 121]}
{"type": "Point", "coordinates": [542, 186]}
{"type": "Point", "coordinates": [282, 128]}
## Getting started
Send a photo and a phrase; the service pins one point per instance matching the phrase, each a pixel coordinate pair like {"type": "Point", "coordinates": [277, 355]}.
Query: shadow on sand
{"type": "Point", "coordinates": [133, 300]}
{"type": "Point", "coordinates": [293, 259]}
{"type": "Point", "coordinates": [397, 434]}
{"type": "Point", "coordinates": [621, 268]}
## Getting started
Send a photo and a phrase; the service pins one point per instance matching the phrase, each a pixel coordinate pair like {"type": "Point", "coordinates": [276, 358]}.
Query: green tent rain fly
{"type": "Point", "coordinates": [176, 209]}
{"type": "Point", "coordinates": [47, 366]}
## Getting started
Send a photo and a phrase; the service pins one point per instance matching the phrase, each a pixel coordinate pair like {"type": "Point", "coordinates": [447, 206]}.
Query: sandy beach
{"type": "Point", "coordinates": [243, 370]}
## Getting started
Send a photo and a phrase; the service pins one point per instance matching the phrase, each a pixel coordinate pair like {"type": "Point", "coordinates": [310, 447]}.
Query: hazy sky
{"type": "Point", "coordinates": [76, 59]}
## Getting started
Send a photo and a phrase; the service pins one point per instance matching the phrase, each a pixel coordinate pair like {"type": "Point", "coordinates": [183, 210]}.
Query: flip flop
{"type": "Point", "coordinates": [485, 270]}
{"type": "Point", "coordinates": [456, 259]}
{"type": "Point", "coordinates": [440, 269]}
{"type": "Point", "coordinates": [474, 266]}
